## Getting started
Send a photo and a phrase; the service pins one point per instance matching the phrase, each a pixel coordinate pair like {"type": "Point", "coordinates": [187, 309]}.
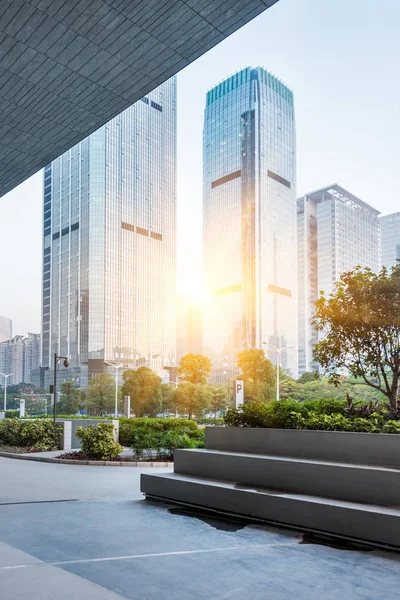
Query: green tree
{"type": "Point", "coordinates": [144, 387]}
{"type": "Point", "coordinates": [258, 375]}
{"type": "Point", "coordinates": [70, 401]}
{"type": "Point", "coordinates": [193, 399]}
{"type": "Point", "coordinates": [195, 368]}
{"type": "Point", "coordinates": [168, 400]}
{"type": "Point", "coordinates": [101, 394]}
{"type": "Point", "coordinates": [219, 399]}
{"type": "Point", "coordinates": [308, 376]}
{"type": "Point", "coordinates": [360, 323]}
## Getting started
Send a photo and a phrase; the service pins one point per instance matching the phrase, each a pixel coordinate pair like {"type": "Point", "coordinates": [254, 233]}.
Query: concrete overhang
{"type": "Point", "coordinates": [69, 66]}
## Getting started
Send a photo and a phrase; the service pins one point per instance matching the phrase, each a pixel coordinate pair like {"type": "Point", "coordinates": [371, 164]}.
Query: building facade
{"type": "Point", "coordinates": [20, 356]}
{"type": "Point", "coordinates": [336, 231]}
{"type": "Point", "coordinates": [189, 326]}
{"type": "Point", "coordinates": [109, 244]}
{"type": "Point", "coordinates": [390, 239]}
{"type": "Point", "coordinates": [249, 179]}
{"type": "Point", "coordinates": [5, 329]}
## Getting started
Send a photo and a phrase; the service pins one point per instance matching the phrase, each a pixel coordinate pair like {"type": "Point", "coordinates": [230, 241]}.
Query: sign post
{"type": "Point", "coordinates": [238, 396]}
{"type": "Point", "coordinates": [127, 406]}
{"type": "Point", "coordinates": [22, 408]}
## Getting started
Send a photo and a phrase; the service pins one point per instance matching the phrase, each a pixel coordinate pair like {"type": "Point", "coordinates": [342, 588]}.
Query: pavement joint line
{"type": "Point", "coordinates": [61, 563]}
{"type": "Point", "coordinates": [37, 502]}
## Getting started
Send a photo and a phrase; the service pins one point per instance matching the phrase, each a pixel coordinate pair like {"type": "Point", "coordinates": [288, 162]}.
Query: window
{"type": "Point", "coordinates": [156, 236]}
{"type": "Point", "coordinates": [156, 106]}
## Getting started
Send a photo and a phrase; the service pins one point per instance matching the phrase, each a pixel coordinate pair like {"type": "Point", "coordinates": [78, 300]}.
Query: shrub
{"type": "Point", "coordinates": [331, 415]}
{"type": "Point", "coordinates": [145, 435]}
{"type": "Point", "coordinates": [391, 426]}
{"type": "Point", "coordinates": [12, 414]}
{"type": "Point", "coordinates": [98, 442]}
{"type": "Point", "coordinates": [39, 434]}
{"type": "Point", "coordinates": [128, 428]}
{"type": "Point", "coordinates": [211, 421]}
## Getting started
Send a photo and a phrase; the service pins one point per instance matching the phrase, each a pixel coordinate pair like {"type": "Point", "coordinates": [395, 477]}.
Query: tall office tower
{"type": "Point", "coordinates": [12, 359]}
{"type": "Point", "coordinates": [109, 244]}
{"type": "Point", "coordinates": [390, 239]}
{"type": "Point", "coordinates": [189, 326]}
{"type": "Point", "coordinates": [336, 232]}
{"type": "Point", "coordinates": [5, 329]}
{"type": "Point", "coordinates": [249, 162]}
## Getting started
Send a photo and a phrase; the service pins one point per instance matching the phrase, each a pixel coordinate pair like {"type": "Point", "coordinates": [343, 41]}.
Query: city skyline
{"type": "Point", "coordinates": [339, 110]}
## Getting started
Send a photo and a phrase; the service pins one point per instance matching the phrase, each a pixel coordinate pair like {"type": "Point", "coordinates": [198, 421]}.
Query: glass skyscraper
{"type": "Point", "coordinates": [336, 231]}
{"type": "Point", "coordinates": [109, 243]}
{"type": "Point", "coordinates": [249, 166]}
{"type": "Point", "coordinates": [390, 239]}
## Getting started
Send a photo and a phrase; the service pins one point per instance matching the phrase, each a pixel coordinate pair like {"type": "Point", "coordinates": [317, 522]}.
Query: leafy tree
{"type": "Point", "coordinates": [361, 326]}
{"type": "Point", "coordinates": [101, 394]}
{"type": "Point", "coordinates": [219, 399]}
{"type": "Point", "coordinates": [70, 401]}
{"type": "Point", "coordinates": [308, 376]}
{"type": "Point", "coordinates": [193, 398]}
{"type": "Point", "coordinates": [195, 368]}
{"type": "Point", "coordinates": [143, 385]}
{"type": "Point", "coordinates": [258, 375]}
{"type": "Point", "coordinates": [168, 393]}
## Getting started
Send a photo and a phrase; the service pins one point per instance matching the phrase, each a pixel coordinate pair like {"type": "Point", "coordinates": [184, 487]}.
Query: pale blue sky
{"type": "Point", "coordinates": [342, 60]}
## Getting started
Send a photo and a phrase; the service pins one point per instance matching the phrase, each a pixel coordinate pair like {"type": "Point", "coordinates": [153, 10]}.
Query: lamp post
{"type": "Point", "coordinates": [116, 367]}
{"type": "Point", "coordinates": [5, 389]}
{"type": "Point", "coordinates": [54, 386]}
{"type": "Point", "coordinates": [278, 363]}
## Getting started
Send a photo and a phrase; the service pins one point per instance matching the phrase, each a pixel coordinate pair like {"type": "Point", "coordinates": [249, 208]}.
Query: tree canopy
{"type": "Point", "coordinates": [193, 399]}
{"type": "Point", "coordinates": [195, 368]}
{"type": "Point", "coordinates": [143, 385]}
{"type": "Point", "coordinates": [101, 394]}
{"type": "Point", "coordinates": [258, 375]}
{"type": "Point", "coordinates": [360, 323]}
{"type": "Point", "coordinates": [70, 401]}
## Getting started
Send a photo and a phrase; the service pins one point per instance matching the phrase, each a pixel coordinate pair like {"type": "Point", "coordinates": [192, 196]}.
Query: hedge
{"type": "Point", "coordinates": [159, 435]}
{"type": "Point", "coordinates": [38, 434]}
{"type": "Point", "coordinates": [329, 415]}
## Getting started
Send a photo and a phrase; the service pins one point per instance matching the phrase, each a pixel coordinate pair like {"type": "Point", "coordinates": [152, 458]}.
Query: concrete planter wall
{"type": "Point", "coordinates": [69, 441]}
{"type": "Point", "coordinates": [355, 448]}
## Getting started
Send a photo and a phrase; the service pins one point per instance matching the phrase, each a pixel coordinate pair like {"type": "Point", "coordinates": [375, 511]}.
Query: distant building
{"type": "Point", "coordinates": [20, 356]}
{"type": "Point", "coordinates": [109, 291]}
{"type": "Point", "coordinates": [249, 189]}
{"type": "Point", "coordinates": [189, 327]}
{"type": "Point", "coordinates": [336, 231]}
{"type": "Point", "coordinates": [32, 349]}
{"type": "Point", "coordinates": [5, 329]}
{"type": "Point", "coordinates": [390, 239]}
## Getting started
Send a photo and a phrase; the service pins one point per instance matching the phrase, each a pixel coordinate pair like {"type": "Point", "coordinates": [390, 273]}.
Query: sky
{"type": "Point", "coordinates": [341, 59]}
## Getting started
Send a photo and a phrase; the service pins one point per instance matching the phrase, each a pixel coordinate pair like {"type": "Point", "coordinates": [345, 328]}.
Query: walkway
{"type": "Point", "coordinates": [83, 532]}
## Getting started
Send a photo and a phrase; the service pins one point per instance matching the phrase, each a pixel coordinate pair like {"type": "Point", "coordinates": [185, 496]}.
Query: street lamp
{"type": "Point", "coordinates": [116, 367]}
{"type": "Point", "coordinates": [278, 363]}
{"type": "Point", "coordinates": [5, 389]}
{"type": "Point", "coordinates": [66, 365]}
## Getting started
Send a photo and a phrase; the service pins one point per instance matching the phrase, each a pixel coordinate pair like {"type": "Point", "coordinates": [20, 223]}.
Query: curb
{"type": "Point", "coordinates": [92, 463]}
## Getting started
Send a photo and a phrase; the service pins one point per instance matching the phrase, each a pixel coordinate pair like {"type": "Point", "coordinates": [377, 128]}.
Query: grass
{"type": "Point", "coordinates": [13, 449]}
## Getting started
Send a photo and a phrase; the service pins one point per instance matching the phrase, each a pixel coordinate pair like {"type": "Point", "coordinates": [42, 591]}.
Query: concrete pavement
{"type": "Point", "coordinates": [84, 532]}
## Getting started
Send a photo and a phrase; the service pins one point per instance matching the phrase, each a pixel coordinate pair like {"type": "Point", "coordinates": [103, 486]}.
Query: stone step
{"type": "Point", "coordinates": [380, 449]}
{"type": "Point", "coordinates": [375, 524]}
{"type": "Point", "coordinates": [358, 483]}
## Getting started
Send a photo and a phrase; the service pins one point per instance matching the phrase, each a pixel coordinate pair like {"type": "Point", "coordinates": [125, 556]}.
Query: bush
{"type": "Point", "coordinates": [12, 414]}
{"type": "Point", "coordinates": [391, 426]}
{"type": "Point", "coordinates": [39, 434]}
{"type": "Point", "coordinates": [211, 421]}
{"type": "Point", "coordinates": [145, 435]}
{"type": "Point", "coordinates": [98, 442]}
{"type": "Point", "coordinates": [330, 415]}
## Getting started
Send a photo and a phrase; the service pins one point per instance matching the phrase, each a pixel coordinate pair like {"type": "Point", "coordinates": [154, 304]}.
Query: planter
{"type": "Point", "coordinates": [379, 449]}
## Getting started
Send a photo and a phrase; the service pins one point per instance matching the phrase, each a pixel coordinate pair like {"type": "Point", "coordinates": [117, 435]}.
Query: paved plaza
{"type": "Point", "coordinates": [85, 532]}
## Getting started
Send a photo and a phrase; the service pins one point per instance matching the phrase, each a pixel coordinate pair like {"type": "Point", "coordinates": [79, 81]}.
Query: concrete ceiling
{"type": "Point", "coordinates": [69, 66]}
